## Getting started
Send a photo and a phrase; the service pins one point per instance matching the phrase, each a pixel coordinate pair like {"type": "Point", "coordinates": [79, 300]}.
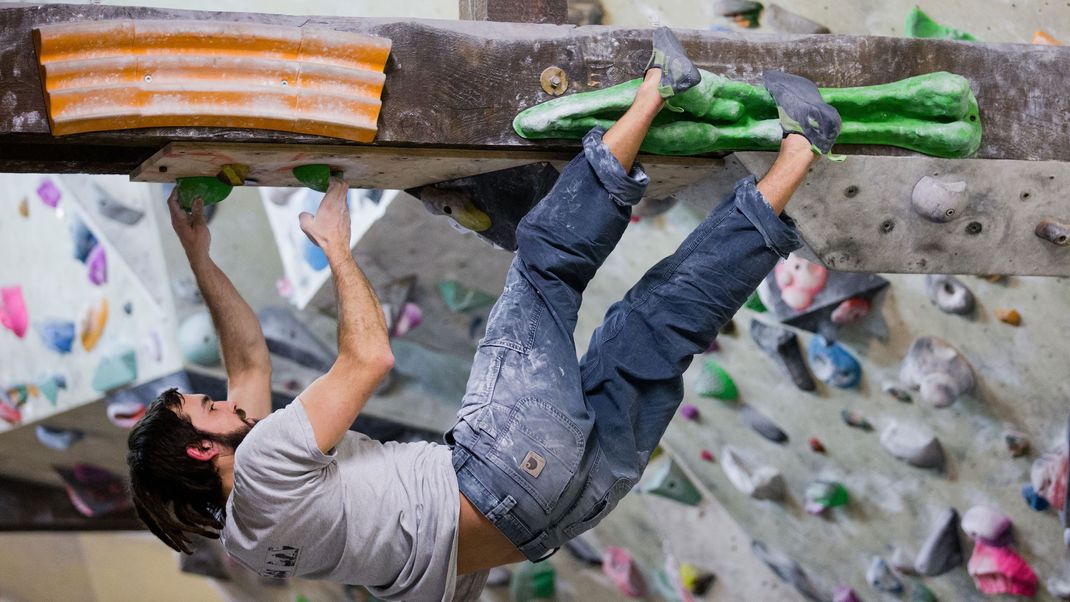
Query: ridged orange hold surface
{"type": "Point", "coordinates": [125, 74]}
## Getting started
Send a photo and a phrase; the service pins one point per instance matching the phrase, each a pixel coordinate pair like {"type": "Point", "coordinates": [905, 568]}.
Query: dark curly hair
{"type": "Point", "coordinates": [173, 493]}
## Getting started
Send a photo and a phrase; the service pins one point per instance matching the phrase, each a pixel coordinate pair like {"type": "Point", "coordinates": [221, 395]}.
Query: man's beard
{"type": "Point", "coordinates": [235, 437]}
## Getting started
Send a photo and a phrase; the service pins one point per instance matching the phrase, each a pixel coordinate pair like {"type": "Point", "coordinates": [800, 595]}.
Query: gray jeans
{"type": "Point", "coordinates": [545, 445]}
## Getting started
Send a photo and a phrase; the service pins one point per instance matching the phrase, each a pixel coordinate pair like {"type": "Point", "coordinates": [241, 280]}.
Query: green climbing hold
{"type": "Point", "coordinates": [920, 25]}
{"type": "Point", "coordinates": [822, 495]}
{"type": "Point", "coordinates": [117, 368]}
{"type": "Point", "coordinates": [671, 482]}
{"type": "Point", "coordinates": [714, 382]}
{"type": "Point", "coordinates": [210, 190]}
{"type": "Point", "coordinates": [459, 297]}
{"type": "Point", "coordinates": [935, 114]}
{"type": "Point", "coordinates": [532, 581]}
{"type": "Point", "coordinates": [754, 303]}
{"type": "Point", "coordinates": [316, 176]}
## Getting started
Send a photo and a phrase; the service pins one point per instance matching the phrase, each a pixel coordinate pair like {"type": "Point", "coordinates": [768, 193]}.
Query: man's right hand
{"type": "Point", "coordinates": [329, 228]}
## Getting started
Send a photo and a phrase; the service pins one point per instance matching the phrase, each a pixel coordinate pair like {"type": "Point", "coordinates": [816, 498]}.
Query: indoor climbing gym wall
{"type": "Point", "coordinates": [78, 320]}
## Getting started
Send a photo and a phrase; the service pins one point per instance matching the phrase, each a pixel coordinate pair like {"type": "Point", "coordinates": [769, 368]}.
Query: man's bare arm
{"type": "Point", "coordinates": [245, 353]}
{"type": "Point", "coordinates": [335, 399]}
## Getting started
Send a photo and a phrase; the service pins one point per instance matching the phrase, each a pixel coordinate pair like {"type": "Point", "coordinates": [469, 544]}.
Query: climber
{"type": "Point", "coordinates": [544, 445]}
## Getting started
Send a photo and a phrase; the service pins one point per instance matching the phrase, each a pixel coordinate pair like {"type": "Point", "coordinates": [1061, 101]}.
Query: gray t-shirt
{"type": "Point", "coordinates": [373, 514]}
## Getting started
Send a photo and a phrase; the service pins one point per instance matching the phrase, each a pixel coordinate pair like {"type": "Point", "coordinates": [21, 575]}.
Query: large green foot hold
{"type": "Point", "coordinates": [920, 25]}
{"type": "Point", "coordinates": [934, 114]}
{"type": "Point", "coordinates": [210, 190]}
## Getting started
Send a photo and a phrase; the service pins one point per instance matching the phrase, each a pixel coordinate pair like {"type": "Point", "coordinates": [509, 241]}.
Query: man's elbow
{"type": "Point", "coordinates": [378, 362]}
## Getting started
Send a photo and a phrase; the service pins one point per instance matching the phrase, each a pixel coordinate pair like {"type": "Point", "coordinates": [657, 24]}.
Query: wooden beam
{"type": "Point", "coordinates": [458, 85]}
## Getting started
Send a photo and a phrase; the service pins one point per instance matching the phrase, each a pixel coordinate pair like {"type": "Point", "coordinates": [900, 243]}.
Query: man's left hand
{"type": "Point", "coordinates": [191, 228]}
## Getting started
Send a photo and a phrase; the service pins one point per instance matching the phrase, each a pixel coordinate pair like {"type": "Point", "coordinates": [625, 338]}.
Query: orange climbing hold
{"type": "Point", "coordinates": [124, 74]}
{"type": "Point", "coordinates": [1044, 38]}
{"type": "Point", "coordinates": [1009, 316]}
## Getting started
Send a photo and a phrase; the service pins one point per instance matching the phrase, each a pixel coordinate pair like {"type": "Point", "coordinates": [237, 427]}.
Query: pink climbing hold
{"type": "Point", "coordinates": [49, 193]}
{"type": "Point", "coordinates": [689, 411]}
{"type": "Point", "coordinates": [707, 455]}
{"type": "Point", "coordinates": [97, 265]}
{"type": "Point", "coordinates": [844, 593]}
{"type": "Point", "coordinates": [411, 317]}
{"type": "Point", "coordinates": [799, 281]}
{"type": "Point", "coordinates": [13, 313]}
{"type": "Point", "coordinates": [850, 310]}
{"type": "Point", "coordinates": [9, 411]}
{"type": "Point", "coordinates": [618, 565]}
{"type": "Point", "coordinates": [1001, 571]}
{"type": "Point", "coordinates": [1048, 476]}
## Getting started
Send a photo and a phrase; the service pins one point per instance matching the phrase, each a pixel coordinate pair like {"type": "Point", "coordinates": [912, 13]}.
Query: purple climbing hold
{"type": "Point", "coordinates": [987, 524]}
{"type": "Point", "coordinates": [844, 593]}
{"type": "Point", "coordinates": [689, 411]}
{"type": "Point", "coordinates": [49, 193]}
{"type": "Point", "coordinates": [97, 265]}
{"type": "Point", "coordinates": [93, 490]}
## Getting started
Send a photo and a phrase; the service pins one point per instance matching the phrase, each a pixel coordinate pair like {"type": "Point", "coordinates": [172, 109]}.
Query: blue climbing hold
{"type": "Point", "coordinates": [1035, 500]}
{"type": "Point", "coordinates": [833, 364]}
{"type": "Point", "coordinates": [81, 238]}
{"type": "Point", "coordinates": [57, 335]}
{"type": "Point", "coordinates": [57, 438]}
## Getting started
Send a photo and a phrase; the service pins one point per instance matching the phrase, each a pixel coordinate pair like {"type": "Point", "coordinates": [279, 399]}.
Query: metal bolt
{"type": "Point", "coordinates": [887, 226]}
{"type": "Point", "coordinates": [974, 228]}
{"type": "Point", "coordinates": [555, 81]}
{"type": "Point", "coordinates": [163, 169]}
{"type": "Point", "coordinates": [850, 191]}
{"type": "Point", "coordinates": [148, 78]}
{"type": "Point", "coordinates": [285, 83]}
{"type": "Point", "coordinates": [1025, 196]}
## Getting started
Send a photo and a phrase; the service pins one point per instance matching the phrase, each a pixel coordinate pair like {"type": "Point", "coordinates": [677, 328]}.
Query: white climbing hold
{"type": "Point", "coordinates": [914, 445]}
{"type": "Point", "coordinates": [939, 201]}
{"type": "Point", "coordinates": [759, 482]}
{"type": "Point", "coordinates": [938, 370]}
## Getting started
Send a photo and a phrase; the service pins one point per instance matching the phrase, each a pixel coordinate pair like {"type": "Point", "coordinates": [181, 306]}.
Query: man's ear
{"type": "Point", "coordinates": [204, 450]}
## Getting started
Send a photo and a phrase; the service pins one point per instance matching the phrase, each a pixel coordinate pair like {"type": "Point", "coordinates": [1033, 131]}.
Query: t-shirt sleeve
{"type": "Point", "coordinates": [283, 445]}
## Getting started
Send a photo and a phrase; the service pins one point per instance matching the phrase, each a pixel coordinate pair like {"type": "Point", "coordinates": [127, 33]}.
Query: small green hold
{"type": "Point", "coordinates": [671, 482]}
{"type": "Point", "coordinates": [856, 420]}
{"type": "Point", "coordinates": [920, 25]}
{"type": "Point", "coordinates": [459, 297]}
{"type": "Point", "coordinates": [754, 303]}
{"type": "Point", "coordinates": [920, 593]}
{"type": "Point", "coordinates": [532, 581]}
{"type": "Point", "coordinates": [714, 382]}
{"type": "Point", "coordinates": [316, 176]}
{"type": "Point", "coordinates": [210, 190]}
{"type": "Point", "coordinates": [822, 495]}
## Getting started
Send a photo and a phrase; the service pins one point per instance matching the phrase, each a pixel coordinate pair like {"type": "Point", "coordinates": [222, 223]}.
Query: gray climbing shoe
{"type": "Point", "coordinates": [803, 111]}
{"type": "Point", "coordinates": [678, 73]}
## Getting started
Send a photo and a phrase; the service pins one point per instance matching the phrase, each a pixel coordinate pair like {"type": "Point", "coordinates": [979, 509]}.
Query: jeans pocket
{"type": "Point", "coordinates": [540, 449]}
{"type": "Point", "coordinates": [600, 509]}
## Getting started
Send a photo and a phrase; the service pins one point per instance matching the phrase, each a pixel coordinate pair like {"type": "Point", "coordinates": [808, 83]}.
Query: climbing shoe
{"type": "Point", "coordinates": [678, 73]}
{"type": "Point", "coordinates": [803, 111]}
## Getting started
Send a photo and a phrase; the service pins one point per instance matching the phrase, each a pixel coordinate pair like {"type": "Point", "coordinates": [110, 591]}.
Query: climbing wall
{"type": "Point", "coordinates": [79, 321]}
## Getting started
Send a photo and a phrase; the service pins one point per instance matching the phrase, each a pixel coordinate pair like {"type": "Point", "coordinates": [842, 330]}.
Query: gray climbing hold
{"type": "Point", "coordinates": [942, 551]}
{"type": "Point", "coordinates": [288, 337]}
{"type": "Point", "coordinates": [113, 209]}
{"type": "Point", "coordinates": [938, 370]}
{"type": "Point", "coordinates": [950, 294]}
{"type": "Point", "coordinates": [939, 201]}
{"type": "Point", "coordinates": [762, 424]}
{"type": "Point", "coordinates": [198, 340]}
{"type": "Point", "coordinates": [499, 576]}
{"type": "Point", "coordinates": [583, 550]}
{"type": "Point", "coordinates": [759, 482]}
{"type": "Point", "coordinates": [785, 21]}
{"type": "Point", "coordinates": [783, 346]}
{"type": "Point", "coordinates": [880, 577]}
{"type": "Point", "coordinates": [731, 8]}
{"type": "Point", "coordinates": [914, 445]}
{"type": "Point", "coordinates": [786, 569]}
{"type": "Point", "coordinates": [652, 207]}
{"type": "Point", "coordinates": [988, 525]}
{"type": "Point", "coordinates": [1054, 232]}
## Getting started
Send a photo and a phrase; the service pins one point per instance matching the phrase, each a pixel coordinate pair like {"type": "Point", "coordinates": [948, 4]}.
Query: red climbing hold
{"type": "Point", "coordinates": [707, 455]}
{"type": "Point", "coordinates": [816, 445]}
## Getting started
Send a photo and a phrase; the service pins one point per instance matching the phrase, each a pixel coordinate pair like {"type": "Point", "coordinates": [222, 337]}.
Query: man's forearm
{"type": "Point", "coordinates": [362, 332]}
{"type": "Point", "coordinates": [240, 336]}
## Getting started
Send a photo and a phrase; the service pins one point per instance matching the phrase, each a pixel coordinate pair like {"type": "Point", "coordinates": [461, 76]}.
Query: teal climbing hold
{"type": "Point", "coordinates": [209, 190]}
{"type": "Point", "coordinates": [459, 297]}
{"type": "Point", "coordinates": [671, 482]}
{"type": "Point", "coordinates": [533, 581]}
{"type": "Point", "coordinates": [117, 368]}
{"type": "Point", "coordinates": [49, 386]}
{"type": "Point", "coordinates": [714, 382]}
